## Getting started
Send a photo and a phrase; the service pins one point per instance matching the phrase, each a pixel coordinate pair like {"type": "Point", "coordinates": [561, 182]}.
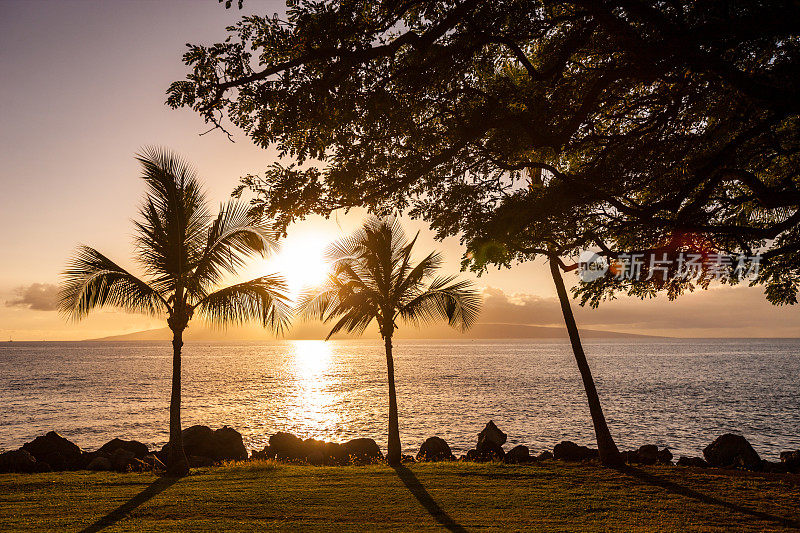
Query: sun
{"type": "Point", "coordinates": [301, 261]}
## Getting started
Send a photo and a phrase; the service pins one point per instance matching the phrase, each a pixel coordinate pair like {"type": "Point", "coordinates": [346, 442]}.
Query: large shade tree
{"type": "Point", "coordinates": [529, 128]}
{"type": "Point", "coordinates": [374, 278]}
{"type": "Point", "coordinates": [185, 252]}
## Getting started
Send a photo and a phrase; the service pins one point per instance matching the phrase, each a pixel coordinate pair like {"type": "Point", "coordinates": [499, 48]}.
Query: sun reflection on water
{"type": "Point", "coordinates": [314, 411]}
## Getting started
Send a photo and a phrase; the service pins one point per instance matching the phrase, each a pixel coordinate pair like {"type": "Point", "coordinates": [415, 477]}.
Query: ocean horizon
{"type": "Point", "coordinates": [680, 393]}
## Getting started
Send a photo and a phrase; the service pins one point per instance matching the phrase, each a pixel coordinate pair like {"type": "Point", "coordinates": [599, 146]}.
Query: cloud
{"type": "Point", "coordinates": [36, 296]}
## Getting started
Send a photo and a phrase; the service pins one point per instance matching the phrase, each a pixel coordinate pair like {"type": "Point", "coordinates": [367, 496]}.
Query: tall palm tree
{"type": "Point", "coordinates": [373, 278]}
{"type": "Point", "coordinates": [184, 253]}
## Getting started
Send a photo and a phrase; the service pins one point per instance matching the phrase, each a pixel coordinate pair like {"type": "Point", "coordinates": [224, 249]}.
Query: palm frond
{"type": "Point", "coordinates": [232, 237]}
{"type": "Point", "coordinates": [174, 216]}
{"type": "Point", "coordinates": [373, 278]}
{"type": "Point", "coordinates": [456, 301]}
{"type": "Point", "coordinates": [264, 299]}
{"type": "Point", "coordinates": [91, 280]}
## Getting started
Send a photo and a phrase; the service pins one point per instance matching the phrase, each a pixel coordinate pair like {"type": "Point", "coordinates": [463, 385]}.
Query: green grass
{"type": "Point", "coordinates": [549, 496]}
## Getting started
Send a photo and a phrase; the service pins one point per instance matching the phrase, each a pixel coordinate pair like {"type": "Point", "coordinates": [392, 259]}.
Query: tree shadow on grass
{"type": "Point", "coordinates": [423, 496]}
{"type": "Point", "coordinates": [681, 490]}
{"type": "Point", "coordinates": [154, 488]}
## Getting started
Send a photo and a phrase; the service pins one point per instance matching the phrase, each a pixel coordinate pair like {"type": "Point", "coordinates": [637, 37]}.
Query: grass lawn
{"type": "Point", "coordinates": [548, 496]}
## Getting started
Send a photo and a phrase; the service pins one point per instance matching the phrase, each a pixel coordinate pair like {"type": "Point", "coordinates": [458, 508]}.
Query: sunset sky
{"type": "Point", "coordinates": [83, 90]}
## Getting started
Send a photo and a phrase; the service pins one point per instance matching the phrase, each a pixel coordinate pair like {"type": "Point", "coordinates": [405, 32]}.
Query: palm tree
{"type": "Point", "coordinates": [185, 253]}
{"type": "Point", "coordinates": [372, 278]}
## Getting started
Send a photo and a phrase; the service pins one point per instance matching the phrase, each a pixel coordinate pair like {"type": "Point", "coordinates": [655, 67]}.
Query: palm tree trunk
{"type": "Point", "coordinates": [393, 452]}
{"type": "Point", "coordinates": [609, 454]}
{"type": "Point", "coordinates": [178, 465]}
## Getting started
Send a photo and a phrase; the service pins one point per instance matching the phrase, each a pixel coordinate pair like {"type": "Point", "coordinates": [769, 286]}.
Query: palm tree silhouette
{"type": "Point", "coordinates": [372, 277]}
{"type": "Point", "coordinates": [185, 253]}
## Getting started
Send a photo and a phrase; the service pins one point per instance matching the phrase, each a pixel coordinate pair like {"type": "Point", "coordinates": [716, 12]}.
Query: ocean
{"type": "Point", "coordinates": [676, 393]}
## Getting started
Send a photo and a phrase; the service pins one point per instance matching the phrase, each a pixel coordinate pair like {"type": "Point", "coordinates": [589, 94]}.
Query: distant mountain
{"type": "Point", "coordinates": [318, 331]}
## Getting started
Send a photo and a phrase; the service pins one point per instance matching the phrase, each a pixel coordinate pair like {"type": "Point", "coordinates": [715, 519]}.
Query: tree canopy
{"type": "Point", "coordinates": [528, 127]}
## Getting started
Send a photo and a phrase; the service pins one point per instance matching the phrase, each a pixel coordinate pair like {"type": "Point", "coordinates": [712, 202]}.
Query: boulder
{"type": "Point", "coordinates": [229, 445]}
{"type": "Point", "coordinates": [138, 465]}
{"type": "Point", "coordinates": [121, 459]}
{"type": "Point", "coordinates": [649, 454]}
{"type": "Point", "coordinates": [100, 463]}
{"type": "Point", "coordinates": [199, 461]}
{"type": "Point", "coordinates": [262, 455]}
{"type": "Point", "coordinates": [314, 451]}
{"type": "Point", "coordinates": [362, 450]}
{"type": "Point", "coordinates": [491, 433]}
{"type": "Point", "coordinates": [435, 449]}
{"type": "Point", "coordinates": [335, 454]}
{"type": "Point", "coordinates": [664, 457]}
{"type": "Point", "coordinates": [732, 450]}
{"type": "Point", "coordinates": [544, 456]}
{"type": "Point", "coordinates": [773, 468]}
{"type": "Point", "coordinates": [486, 451]}
{"type": "Point", "coordinates": [792, 460]}
{"type": "Point", "coordinates": [138, 449]}
{"type": "Point", "coordinates": [286, 447]}
{"type": "Point", "coordinates": [692, 461]}
{"type": "Point", "coordinates": [224, 444]}
{"type": "Point", "coordinates": [519, 454]}
{"type": "Point", "coordinates": [18, 461]}
{"type": "Point", "coordinates": [55, 450]}
{"type": "Point", "coordinates": [153, 463]}
{"type": "Point", "coordinates": [569, 451]}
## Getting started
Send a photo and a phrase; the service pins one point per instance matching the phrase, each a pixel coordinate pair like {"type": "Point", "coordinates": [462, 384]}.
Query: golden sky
{"type": "Point", "coordinates": [83, 90]}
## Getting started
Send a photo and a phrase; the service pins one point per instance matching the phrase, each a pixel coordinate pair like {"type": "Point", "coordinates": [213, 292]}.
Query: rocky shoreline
{"type": "Point", "coordinates": [206, 447]}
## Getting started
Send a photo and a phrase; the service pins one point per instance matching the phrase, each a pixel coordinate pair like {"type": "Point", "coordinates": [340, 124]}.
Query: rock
{"type": "Point", "coordinates": [664, 457]}
{"type": "Point", "coordinates": [121, 458]}
{"type": "Point", "coordinates": [138, 465]}
{"type": "Point", "coordinates": [732, 450]}
{"type": "Point", "coordinates": [544, 456]}
{"type": "Point", "coordinates": [314, 451]}
{"type": "Point", "coordinates": [435, 449]}
{"type": "Point", "coordinates": [286, 447]}
{"type": "Point", "coordinates": [486, 451]}
{"type": "Point", "coordinates": [229, 445]}
{"type": "Point", "coordinates": [569, 451]}
{"type": "Point", "coordinates": [17, 461]}
{"type": "Point", "coordinates": [362, 450]}
{"type": "Point", "coordinates": [491, 433]}
{"type": "Point", "coordinates": [138, 449]}
{"type": "Point", "coordinates": [773, 468]}
{"type": "Point", "coordinates": [315, 458]}
{"type": "Point", "coordinates": [519, 454]}
{"type": "Point", "coordinates": [100, 464]}
{"type": "Point", "coordinates": [262, 455]}
{"type": "Point", "coordinates": [692, 461]}
{"type": "Point", "coordinates": [224, 444]}
{"type": "Point", "coordinates": [792, 460]}
{"type": "Point", "coordinates": [335, 454]}
{"type": "Point", "coordinates": [55, 450]}
{"type": "Point", "coordinates": [153, 463]}
{"type": "Point", "coordinates": [648, 454]}
{"type": "Point", "coordinates": [199, 461]}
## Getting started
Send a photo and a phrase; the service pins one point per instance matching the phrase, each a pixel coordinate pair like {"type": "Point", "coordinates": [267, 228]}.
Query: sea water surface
{"type": "Point", "coordinates": [676, 393]}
